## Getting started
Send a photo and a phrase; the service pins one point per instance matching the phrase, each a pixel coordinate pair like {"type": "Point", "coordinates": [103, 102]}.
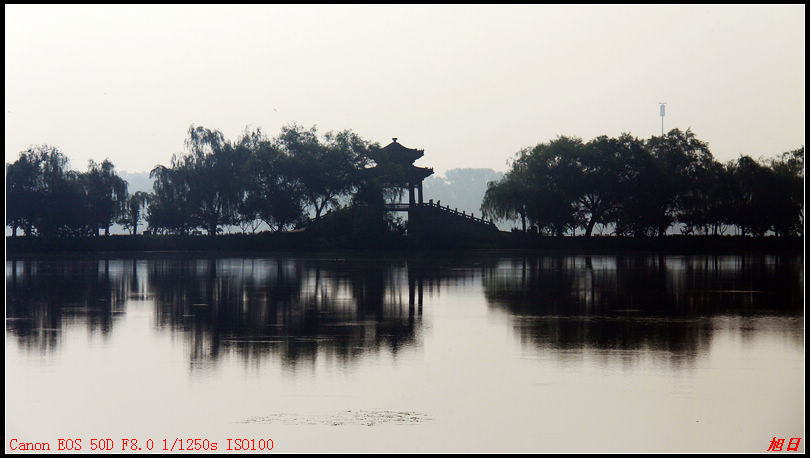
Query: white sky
{"type": "Point", "coordinates": [469, 84]}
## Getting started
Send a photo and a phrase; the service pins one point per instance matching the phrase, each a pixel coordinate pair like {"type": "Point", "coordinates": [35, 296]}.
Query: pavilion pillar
{"type": "Point", "coordinates": [421, 201]}
{"type": "Point", "coordinates": [411, 200]}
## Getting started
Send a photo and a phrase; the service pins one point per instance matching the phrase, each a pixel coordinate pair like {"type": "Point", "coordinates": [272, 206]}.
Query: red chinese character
{"type": "Point", "coordinates": [794, 447]}
{"type": "Point", "coordinates": [776, 445]}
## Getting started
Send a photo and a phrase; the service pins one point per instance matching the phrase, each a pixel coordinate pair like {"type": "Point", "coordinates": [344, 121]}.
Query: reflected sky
{"type": "Point", "coordinates": [470, 345]}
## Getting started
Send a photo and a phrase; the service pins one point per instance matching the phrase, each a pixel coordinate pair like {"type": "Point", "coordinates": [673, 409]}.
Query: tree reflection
{"type": "Point", "coordinates": [662, 304]}
{"type": "Point", "coordinates": [43, 295]}
{"type": "Point", "coordinates": [296, 309]}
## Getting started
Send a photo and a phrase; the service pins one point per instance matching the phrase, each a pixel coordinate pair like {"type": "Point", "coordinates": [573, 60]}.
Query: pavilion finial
{"type": "Point", "coordinates": [395, 139]}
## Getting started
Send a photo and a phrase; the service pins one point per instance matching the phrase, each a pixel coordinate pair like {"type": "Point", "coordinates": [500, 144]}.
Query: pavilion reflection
{"type": "Point", "coordinates": [308, 307]}
{"type": "Point", "coordinates": [666, 306]}
{"type": "Point", "coordinates": [295, 308]}
{"type": "Point", "coordinates": [298, 310]}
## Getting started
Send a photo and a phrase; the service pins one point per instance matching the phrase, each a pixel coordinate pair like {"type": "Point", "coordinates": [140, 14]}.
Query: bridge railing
{"type": "Point", "coordinates": [455, 211]}
{"type": "Point", "coordinates": [398, 206]}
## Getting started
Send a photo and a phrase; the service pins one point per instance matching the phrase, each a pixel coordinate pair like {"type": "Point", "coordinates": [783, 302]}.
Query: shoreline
{"type": "Point", "coordinates": [302, 243]}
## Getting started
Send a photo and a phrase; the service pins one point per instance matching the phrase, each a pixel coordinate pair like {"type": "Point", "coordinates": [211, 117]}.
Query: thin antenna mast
{"type": "Point", "coordinates": [663, 112]}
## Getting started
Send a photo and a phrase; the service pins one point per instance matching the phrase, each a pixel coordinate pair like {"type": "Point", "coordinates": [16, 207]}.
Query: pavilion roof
{"type": "Point", "coordinates": [393, 174]}
{"type": "Point", "coordinates": [395, 152]}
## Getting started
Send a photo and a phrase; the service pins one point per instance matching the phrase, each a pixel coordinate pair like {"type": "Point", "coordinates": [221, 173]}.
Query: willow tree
{"type": "Point", "coordinates": [201, 188]}
{"type": "Point", "coordinates": [326, 169]}
{"type": "Point", "coordinates": [539, 188]}
{"type": "Point", "coordinates": [212, 167]}
{"type": "Point", "coordinates": [553, 173]}
{"type": "Point", "coordinates": [271, 192]}
{"type": "Point", "coordinates": [132, 214]}
{"type": "Point", "coordinates": [506, 199]}
{"type": "Point", "coordinates": [43, 196]}
{"type": "Point", "coordinates": [170, 208]}
{"type": "Point", "coordinates": [787, 210]}
{"type": "Point", "coordinates": [23, 199]}
{"type": "Point", "coordinates": [596, 183]}
{"type": "Point", "coordinates": [682, 187]}
{"type": "Point", "coordinates": [106, 195]}
{"type": "Point", "coordinates": [752, 196]}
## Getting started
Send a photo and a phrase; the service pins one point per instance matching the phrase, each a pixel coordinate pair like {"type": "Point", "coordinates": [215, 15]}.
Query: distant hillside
{"type": "Point", "coordinates": [138, 181]}
{"type": "Point", "coordinates": [461, 188]}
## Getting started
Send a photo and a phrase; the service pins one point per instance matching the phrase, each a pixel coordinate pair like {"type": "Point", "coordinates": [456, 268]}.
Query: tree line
{"type": "Point", "coordinates": [624, 185]}
{"type": "Point", "coordinates": [215, 182]}
{"type": "Point", "coordinates": [44, 197]}
{"type": "Point", "coordinates": [630, 186]}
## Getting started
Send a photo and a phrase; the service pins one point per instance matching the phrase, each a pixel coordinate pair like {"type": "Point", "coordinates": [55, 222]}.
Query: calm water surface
{"type": "Point", "coordinates": [441, 353]}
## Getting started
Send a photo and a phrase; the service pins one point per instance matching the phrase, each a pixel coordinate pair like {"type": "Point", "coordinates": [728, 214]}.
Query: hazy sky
{"type": "Point", "coordinates": [469, 84]}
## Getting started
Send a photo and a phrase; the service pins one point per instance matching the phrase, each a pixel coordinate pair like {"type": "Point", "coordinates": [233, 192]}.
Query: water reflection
{"type": "Point", "coordinates": [304, 307]}
{"type": "Point", "coordinates": [668, 306]}
{"type": "Point", "coordinates": [293, 308]}
{"type": "Point", "coordinates": [43, 296]}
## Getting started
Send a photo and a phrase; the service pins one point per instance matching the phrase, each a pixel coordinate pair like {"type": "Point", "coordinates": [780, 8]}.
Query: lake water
{"type": "Point", "coordinates": [446, 352]}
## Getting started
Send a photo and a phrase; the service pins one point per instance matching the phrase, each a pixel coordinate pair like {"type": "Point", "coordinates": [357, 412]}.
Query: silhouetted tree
{"type": "Point", "coordinates": [551, 173]}
{"type": "Point", "coordinates": [201, 188]}
{"type": "Point", "coordinates": [369, 219]}
{"type": "Point", "coordinates": [787, 193]}
{"type": "Point", "coordinates": [685, 164]}
{"type": "Point", "coordinates": [507, 198]}
{"type": "Point", "coordinates": [132, 215]}
{"type": "Point", "coordinates": [597, 182]}
{"type": "Point", "coordinates": [212, 173]}
{"type": "Point", "coordinates": [46, 197]}
{"type": "Point", "coordinates": [23, 198]}
{"type": "Point", "coordinates": [643, 187]}
{"type": "Point", "coordinates": [106, 195]}
{"type": "Point", "coordinates": [758, 202]}
{"type": "Point", "coordinates": [638, 187]}
{"type": "Point", "coordinates": [328, 169]}
{"type": "Point", "coordinates": [170, 208]}
{"type": "Point", "coordinates": [272, 192]}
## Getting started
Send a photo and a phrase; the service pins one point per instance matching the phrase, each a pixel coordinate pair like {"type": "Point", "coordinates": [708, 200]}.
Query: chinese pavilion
{"type": "Point", "coordinates": [395, 169]}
